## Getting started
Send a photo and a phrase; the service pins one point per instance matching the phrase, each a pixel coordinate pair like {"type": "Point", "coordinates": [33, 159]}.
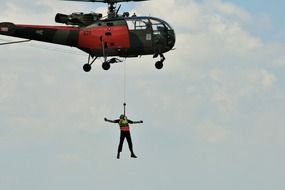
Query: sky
{"type": "Point", "coordinates": [213, 116]}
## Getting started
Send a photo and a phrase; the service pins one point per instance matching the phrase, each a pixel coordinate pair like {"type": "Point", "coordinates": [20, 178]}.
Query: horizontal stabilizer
{"type": "Point", "coordinates": [7, 28]}
{"type": "Point", "coordinates": [15, 42]}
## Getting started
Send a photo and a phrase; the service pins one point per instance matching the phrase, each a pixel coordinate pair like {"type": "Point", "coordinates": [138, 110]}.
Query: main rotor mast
{"type": "Point", "coordinates": [112, 11]}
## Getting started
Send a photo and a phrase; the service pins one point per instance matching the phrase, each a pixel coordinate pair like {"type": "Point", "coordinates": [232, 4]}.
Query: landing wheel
{"type": "Point", "coordinates": [87, 67]}
{"type": "Point", "coordinates": [106, 66]}
{"type": "Point", "coordinates": [159, 65]}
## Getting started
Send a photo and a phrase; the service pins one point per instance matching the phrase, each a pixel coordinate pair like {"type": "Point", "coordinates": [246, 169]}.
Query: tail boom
{"type": "Point", "coordinates": [52, 34]}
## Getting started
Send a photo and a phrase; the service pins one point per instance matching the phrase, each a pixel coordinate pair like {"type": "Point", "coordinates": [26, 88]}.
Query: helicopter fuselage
{"type": "Point", "coordinates": [122, 37]}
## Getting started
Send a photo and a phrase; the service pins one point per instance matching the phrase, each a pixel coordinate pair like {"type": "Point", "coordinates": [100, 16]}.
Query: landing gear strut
{"type": "Point", "coordinates": [87, 67]}
{"type": "Point", "coordinates": [159, 64]}
{"type": "Point", "coordinates": [107, 63]}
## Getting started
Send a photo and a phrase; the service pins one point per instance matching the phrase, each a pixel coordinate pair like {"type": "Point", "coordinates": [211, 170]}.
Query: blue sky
{"type": "Point", "coordinates": [213, 117]}
{"type": "Point", "coordinates": [273, 10]}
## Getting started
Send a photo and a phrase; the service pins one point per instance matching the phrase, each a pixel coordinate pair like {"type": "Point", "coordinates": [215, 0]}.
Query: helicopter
{"type": "Point", "coordinates": [110, 37]}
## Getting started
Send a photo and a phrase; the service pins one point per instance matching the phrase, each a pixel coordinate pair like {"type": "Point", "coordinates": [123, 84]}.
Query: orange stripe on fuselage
{"type": "Point", "coordinates": [113, 36]}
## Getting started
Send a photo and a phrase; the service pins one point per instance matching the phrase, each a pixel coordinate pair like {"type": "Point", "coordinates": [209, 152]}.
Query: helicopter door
{"type": "Point", "coordinates": [140, 35]}
{"type": "Point", "coordinates": [108, 35]}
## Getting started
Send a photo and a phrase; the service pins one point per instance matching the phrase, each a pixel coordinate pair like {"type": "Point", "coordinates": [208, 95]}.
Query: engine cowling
{"type": "Point", "coordinates": [79, 19]}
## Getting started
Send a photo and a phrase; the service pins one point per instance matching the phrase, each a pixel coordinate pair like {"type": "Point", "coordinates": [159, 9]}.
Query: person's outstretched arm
{"type": "Point", "coordinates": [111, 121]}
{"type": "Point", "coordinates": [135, 122]}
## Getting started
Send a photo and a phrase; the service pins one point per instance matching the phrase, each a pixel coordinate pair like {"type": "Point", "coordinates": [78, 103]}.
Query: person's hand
{"type": "Point", "coordinates": [141, 121]}
{"type": "Point", "coordinates": [105, 119]}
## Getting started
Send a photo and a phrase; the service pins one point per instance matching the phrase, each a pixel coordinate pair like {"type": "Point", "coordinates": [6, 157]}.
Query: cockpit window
{"type": "Point", "coordinates": [158, 25]}
{"type": "Point", "coordinates": [143, 23]}
{"type": "Point", "coordinates": [138, 24]}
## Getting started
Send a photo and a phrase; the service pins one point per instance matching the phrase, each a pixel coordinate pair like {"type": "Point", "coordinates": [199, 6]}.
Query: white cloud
{"type": "Point", "coordinates": [263, 78]}
{"type": "Point", "coordinates": [213, 44]}
{"type": "Point", "coordinates": [37, 12]}
{"type": "Point", "coordinates": [279, 62]}
{"type": "Point", "coordinates": [211, 133]}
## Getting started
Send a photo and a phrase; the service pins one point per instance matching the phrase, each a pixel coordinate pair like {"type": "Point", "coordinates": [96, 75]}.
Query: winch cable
{"type": "Point", "coordinates": [125, 85]}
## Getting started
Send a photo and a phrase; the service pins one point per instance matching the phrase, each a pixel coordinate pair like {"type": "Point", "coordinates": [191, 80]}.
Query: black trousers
{"type": "Point", "coordinates": [127, 135]}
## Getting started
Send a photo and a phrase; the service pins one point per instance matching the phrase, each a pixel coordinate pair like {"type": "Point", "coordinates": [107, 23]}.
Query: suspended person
{"type": "Point", "coordinates": [125, 133]}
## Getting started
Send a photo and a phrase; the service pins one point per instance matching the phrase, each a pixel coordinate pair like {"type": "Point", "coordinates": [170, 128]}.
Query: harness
{"type": "Point", "coordinates": [124, 125]}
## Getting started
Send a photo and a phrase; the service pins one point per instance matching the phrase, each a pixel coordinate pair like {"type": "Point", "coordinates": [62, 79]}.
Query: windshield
{"type": "Point", "coordinates": [143, 23]}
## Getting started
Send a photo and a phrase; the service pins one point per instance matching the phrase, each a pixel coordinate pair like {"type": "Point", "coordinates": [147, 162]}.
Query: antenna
{"type": "Point", "coordinates": [118, 10]}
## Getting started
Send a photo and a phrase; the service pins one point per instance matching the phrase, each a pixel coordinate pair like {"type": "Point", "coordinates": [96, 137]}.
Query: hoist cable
{"type": "Point", "coordinates": [125, 86]}
{"type": "Point", "coordinates": [125, 81]}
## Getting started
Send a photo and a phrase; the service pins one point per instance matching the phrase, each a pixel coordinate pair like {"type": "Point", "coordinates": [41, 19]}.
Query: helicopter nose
{"type": "Point", "coordinates": [171, 39]}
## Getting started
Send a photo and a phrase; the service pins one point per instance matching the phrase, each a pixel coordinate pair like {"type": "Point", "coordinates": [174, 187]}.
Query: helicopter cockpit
{"type": "Point", "coordinates": [154, 30]}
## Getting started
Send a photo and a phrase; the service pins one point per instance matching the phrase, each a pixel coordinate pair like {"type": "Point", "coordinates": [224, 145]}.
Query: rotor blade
{"type": "Point", "coordinates": [93, 1]}
{"type": "Point", "coordinates": [105, 1]}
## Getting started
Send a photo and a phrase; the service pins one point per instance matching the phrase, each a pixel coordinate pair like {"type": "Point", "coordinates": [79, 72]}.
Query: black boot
{"type": "Point", "coordinates": [133, 155]}
{"type": "Point", "coordinates": [118, 155]}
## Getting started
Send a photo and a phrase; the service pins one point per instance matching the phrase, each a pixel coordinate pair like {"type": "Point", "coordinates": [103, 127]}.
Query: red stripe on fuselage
{"type": "Point", "coordinates": [112, 36]}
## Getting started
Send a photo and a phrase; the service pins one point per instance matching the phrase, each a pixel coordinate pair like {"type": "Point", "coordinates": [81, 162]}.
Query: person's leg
{"type": "Point", "coordinates": [129, 139]}
{"type": "Point", "coordinates": [120, 148]}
